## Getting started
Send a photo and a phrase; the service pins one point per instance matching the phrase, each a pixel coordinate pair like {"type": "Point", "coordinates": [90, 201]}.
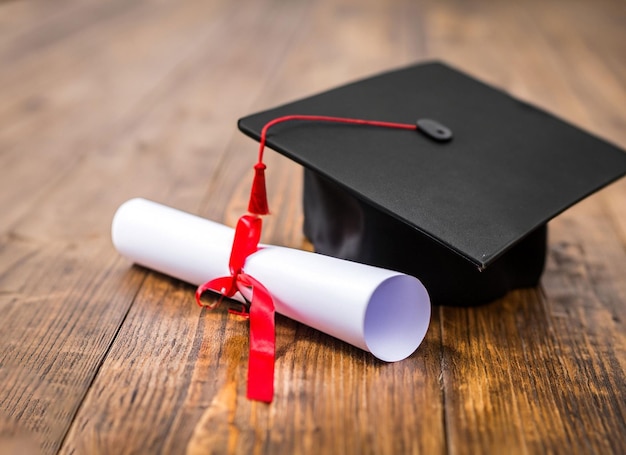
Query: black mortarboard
{"type": "Point", "coordinates": [467, 216]}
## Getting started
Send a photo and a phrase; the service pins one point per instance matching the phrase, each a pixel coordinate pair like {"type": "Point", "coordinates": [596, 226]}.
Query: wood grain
{"type": "Point", "coordinates": [104, 101]}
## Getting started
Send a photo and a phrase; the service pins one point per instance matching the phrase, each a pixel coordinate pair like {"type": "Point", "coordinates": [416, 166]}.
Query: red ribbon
{"type": "Point", "coordinates": [246, 241]}
{"type": "Point", "coordinates": [262, 333]}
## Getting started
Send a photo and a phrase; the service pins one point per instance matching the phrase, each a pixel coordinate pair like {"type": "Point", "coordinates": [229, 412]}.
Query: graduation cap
{"type": "Point", "coordinates": [461, 202]}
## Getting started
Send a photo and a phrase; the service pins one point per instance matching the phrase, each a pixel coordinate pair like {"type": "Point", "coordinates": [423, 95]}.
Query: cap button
{"type": "Point", "coordinates": [434, 130]}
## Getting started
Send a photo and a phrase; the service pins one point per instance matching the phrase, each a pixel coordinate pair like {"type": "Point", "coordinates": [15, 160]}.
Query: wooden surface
{"type": "Point", "coordinates": [104, 101]}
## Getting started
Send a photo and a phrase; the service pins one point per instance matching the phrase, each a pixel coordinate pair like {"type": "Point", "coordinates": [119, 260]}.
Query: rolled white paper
{"type": "Point", "coordinates": [381, 311]}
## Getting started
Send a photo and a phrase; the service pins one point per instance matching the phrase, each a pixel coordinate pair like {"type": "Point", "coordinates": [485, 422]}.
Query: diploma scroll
{"type": "Point", "coordinates": [381, 311]}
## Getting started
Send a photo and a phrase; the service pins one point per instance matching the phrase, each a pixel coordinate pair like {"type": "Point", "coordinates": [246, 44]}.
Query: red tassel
{"type": "Point", "coordinates": [258, 195]}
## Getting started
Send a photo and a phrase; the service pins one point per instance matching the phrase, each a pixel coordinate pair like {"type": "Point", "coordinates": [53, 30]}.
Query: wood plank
{"type": "Point", "coordinates": [58, 253]}
{"type": "Point", "coordinates": [29, 27]}
{"type": "Point", "coordinates": [88, 88]}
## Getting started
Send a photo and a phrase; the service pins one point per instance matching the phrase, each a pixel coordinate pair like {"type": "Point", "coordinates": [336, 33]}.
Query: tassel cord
{"type": "Point", "coordinates": [326, 118]}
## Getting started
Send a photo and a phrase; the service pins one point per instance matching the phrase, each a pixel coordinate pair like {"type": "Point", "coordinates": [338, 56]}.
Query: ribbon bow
{"type": "Point", "coordinates": [261, 307]}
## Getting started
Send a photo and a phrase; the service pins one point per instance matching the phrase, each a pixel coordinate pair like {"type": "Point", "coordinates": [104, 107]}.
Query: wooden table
{"type": "Point", "coordinates": [104, 101]}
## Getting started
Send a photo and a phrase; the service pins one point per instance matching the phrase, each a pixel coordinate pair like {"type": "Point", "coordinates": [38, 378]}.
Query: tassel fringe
{"type": "Point", "coordinates": [258, 195]}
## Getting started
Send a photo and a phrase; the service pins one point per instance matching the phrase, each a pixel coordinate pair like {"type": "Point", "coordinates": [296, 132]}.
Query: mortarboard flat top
{"type": "Point", "coordinates": [508, 170]}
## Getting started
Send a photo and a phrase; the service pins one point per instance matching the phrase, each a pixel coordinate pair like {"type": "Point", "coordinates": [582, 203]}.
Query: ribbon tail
{"type": "Point", "coordinates": [262, 342]}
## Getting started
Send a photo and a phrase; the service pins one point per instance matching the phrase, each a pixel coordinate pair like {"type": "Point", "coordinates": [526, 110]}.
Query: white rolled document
{"type": "Point", "coordinates": [381, 311]}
